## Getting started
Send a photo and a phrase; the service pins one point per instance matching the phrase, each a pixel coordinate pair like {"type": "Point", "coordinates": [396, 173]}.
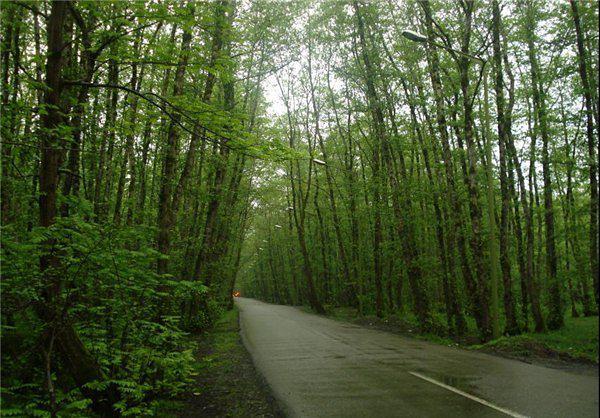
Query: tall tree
{"type": "Point", "coordinates": [509, 307]}
{"type": "Point", "coordinates": [592, 147]}
{"type": "Point", "coordinates": [555, 317]}
{"type": "Point", "coordinates": [165, 210]}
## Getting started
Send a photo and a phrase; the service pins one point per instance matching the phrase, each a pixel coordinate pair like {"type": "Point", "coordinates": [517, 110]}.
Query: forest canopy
{"type": "Point", "coordinates": [434, 160]}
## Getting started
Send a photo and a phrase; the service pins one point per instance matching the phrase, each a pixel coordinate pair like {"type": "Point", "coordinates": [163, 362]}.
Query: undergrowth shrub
{"type": "Point", "coordinates": [127, 316]}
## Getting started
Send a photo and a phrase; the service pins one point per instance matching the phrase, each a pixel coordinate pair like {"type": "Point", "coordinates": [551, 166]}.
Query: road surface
{"type": "Point", "coordinates": [318, 367]}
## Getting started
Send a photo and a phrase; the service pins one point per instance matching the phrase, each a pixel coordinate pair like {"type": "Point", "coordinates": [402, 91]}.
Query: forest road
{"type": "Point", "coordinates": [318, 367]}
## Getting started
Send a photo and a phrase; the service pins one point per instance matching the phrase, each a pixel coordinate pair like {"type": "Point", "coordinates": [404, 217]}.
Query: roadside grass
{"type": "Point", "coordinates": [226, 382]}
{"type": "Point", "coordinates": [576, 342]}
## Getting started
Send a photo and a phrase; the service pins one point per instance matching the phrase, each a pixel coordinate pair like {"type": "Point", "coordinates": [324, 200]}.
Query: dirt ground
{"type": "Point", "coordinates": [227, 384]}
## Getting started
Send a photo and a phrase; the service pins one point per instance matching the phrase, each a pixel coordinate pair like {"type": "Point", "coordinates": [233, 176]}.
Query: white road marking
{"type": "Point", "coordinates": [467, 395]}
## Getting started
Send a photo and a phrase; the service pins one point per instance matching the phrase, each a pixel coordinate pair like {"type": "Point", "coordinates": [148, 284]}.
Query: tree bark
{"type": "Point", "coordinates": [165, 213]}
{"type": "Point", "coordinates": [476, 241]}
{"type": "Point", "coordinates": [592, 149]}
{"type": "Point", "coordinates": [127, 161]}
{"type": "Point", "coordinates": [81, 365]}
{"type": "Point", "coordinates": [456, 230]}
{"type": "Point", "coordinates": [511, 327]}
{"type": "Point", "coordinates": [330, 192]}
{"type": "Point", "coordinates": [379, 137]}
{"type": "Point", "coordinates": [104, 160]}
{"type": "Point", "coordinates": [555, 317]}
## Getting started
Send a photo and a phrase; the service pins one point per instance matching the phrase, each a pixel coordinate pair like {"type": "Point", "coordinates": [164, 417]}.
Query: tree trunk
{"type": "Point", "coordinates": [476, 241]}
{"type": "Point", "coordinates": [592, 149]}
{"type": "Point", "coordinates": [456, 230]}
{"type": "Point", "coordinates": [511, 327]}
{"type": "Point", "coordinates": [5, 121]}
{"type": "Point", "coordinates": [555, 317]}
{"type": "Point", "coordinates": [127, 160]}
{"type": "Point", "coordinates": [200, 134]}
{"type": "Point", "coordinates": [165, 213]}
{"type": "Point", "coordinates": [104, 159]}
{"type": "Point", "coordinates": [379, 137]}
{"type": "Point", "coordinates": [81, 365]}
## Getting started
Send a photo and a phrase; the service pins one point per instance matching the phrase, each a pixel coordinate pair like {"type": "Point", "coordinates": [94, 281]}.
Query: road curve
{"type": "Point", "coordinates": [318, 367]}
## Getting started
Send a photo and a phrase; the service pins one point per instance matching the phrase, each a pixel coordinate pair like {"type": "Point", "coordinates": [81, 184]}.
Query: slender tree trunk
{"type": "Point", "coordinates": [567, 208]}
{"type": "Point", "coordinates": [476, 241]}
{"type": "Point", "coordinates": [141, 202]}
{"type": "Point", "coordinates": [6, 121]}
{"type": "Point", "coordinates": [329, 178]}
{"type": "Point", "coordinates": [296, 296]}
{"type": "Point", "coordinates": [77, 359]}
{"type": "Point", "coordinates": [88, 60]}
{"type": "Point", "coordinates": [325, 274]}
{"type": "Point", "coordinates": [456, 231]}
{"type": "Point", "coordinates": [455, 319]}
{"type": "Point", "coordinates": [105, 155]}
{"type": "Point", "coordinates": [127, 160]}
{"type": "Point", "coordinates": [528, 212]}
{"type": "Point", "coordinates": [200, 134]}
{"type": "Point", "coordinates": [207, 254]}
{"type": "Point", "coordinates": [529, 293]}
{"type": "Point", "coordinates": [165, 213]}
{"type": "Point", "coordinates": [379, 137]}
{"type": "Point", "coordinates": [511, 327]}
{"type": "Point", "coordinates": [298, 209]}
{"type": "Point", "coordinates": [569, 272]}
{"type": "Point", "coordinates": [555, 318]}
{"type": "Point", "coordinates": [349, 176]}
{"type": "Point", "coordinates": [592, 149]}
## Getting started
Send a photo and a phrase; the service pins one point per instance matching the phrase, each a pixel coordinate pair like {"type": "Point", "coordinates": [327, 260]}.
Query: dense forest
{"type": "Point", "coordinates": [437, 160]}
{"type": "Point", "coordinates": [453, 170]}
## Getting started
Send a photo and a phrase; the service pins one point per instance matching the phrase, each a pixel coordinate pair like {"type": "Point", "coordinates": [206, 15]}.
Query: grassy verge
{"type": "Point", "coordinates": [575, 343]}
{"type": "Point", "coordinates": [227, 384]}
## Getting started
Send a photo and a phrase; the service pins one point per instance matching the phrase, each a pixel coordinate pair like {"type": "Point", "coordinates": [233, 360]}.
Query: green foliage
{"type": "Point", "coordinates": [113, 294]}
{"type": "Point", "coordinates": [439, 196]}
{"type": "Point", "coordinates": [210, 311]}
{"type": "Point", "coordinates": [577, 340]}
{"type": "Point", "coordinates": [225, 135]}
{"type": "Point", "coordinates": [98, 154]}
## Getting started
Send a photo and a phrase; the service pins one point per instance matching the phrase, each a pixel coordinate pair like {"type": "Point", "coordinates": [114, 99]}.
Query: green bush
{"type": "Point", "coordinates": [127, 316]}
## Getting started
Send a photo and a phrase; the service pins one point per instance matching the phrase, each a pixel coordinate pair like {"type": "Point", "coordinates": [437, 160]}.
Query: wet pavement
{"type": "Point", "coordinates": [318, 367]}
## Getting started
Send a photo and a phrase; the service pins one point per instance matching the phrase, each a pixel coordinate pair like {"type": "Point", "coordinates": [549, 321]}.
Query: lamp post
{"type": "Point", "coordinates": [319, 162]}
{"type": "Point", "coordinates": [493, 249]}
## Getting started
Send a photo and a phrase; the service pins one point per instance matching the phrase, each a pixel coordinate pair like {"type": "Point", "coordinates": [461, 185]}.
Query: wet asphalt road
{"type": "Point", "coordinates": [318, 367]}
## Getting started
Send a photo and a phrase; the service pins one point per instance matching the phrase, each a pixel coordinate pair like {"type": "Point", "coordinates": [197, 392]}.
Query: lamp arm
{"type": "Point", "coordinates": [482, 61]}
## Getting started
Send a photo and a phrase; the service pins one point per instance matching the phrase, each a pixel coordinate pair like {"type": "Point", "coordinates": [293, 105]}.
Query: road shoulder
{"type": "Point", "coordinates": [227, 383]}
{"type": "Point", "coordinates": [548, 350]}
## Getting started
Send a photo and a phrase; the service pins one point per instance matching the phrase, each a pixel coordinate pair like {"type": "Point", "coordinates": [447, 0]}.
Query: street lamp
{"type": "Point", "coordinates": [411, 35]}
{"type": "Point", "coordinates": [414, 36]}
{"type": "Point", "coordinates": [417, 37]}
{"type": "Point", "coordinates": [319, 162]}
